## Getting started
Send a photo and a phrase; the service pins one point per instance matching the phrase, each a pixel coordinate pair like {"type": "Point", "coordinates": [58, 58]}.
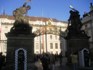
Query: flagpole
{"type": "Point", "coordinates": [0, 39]}
{"type": "Point", "coordinates": [43, 34]}
{"type": "Point", "coordinates": [0, 43]}
{"type": "Point", "coordinates": [40, 36]}
{"type": "Point", "coordinates": [40, 39]}
{"type": "Point", "coordinates": [46, 35]}
{"type": "Point", "coordinates": [43, 40]}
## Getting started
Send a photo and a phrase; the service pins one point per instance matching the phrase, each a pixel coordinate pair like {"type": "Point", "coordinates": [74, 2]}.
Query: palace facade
{"type": "Point", "coordinates": [49, 34]}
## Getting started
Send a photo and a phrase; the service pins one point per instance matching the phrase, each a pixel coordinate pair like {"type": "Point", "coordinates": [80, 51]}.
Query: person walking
{"type": "Point", "coordinates": [74, 61]}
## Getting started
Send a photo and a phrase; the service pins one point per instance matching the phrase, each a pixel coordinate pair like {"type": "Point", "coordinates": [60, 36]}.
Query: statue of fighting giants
{"type": "Point", "coordinates": [74, 20]}
{"type": "Point", "coordinates": [21, 24]}
{"type": "Point", "coordinates": [74, 24]}
{"type": "Point", "coordinates": [20, 13]}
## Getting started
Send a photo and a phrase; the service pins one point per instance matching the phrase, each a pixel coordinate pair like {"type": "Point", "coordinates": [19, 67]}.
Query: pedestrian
{"type": "Point", "coordinates": [74, 61]}
{"type": "Point", "coordinates": [45, 62]}
{"type": "Point", "coordinates": [1, 61]}
{"type": "Point", "coordinates": [60, 57]}
{"type": "Point", "coordinates": [64, 61]}
{"type": "Point", "coordinates": [38, 65]}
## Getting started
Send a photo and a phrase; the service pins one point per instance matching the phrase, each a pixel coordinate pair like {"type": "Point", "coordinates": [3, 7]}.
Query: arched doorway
{"type": "Point", "coordinates": [20, 59]}
{"type": "Point", "coordinates": [84, 58]}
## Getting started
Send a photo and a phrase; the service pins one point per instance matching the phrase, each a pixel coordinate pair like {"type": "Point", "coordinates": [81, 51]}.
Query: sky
{"type": "Point", "coordinates": [58, 9]}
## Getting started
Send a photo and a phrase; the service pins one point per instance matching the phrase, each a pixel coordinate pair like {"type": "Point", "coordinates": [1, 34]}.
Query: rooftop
{"type": "Point", "coordinates": [33, 18]}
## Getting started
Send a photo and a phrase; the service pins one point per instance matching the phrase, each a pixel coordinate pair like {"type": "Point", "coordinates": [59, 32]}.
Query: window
{"type": "Point", "coordinates": [56, 45]}
{"type": "Point", "coordinates": [6, 26]}
{"type": "Point", "coordinates": [51, 45]}
{"type": "Point", "coordinates": [37, 47]}
{"type": "Point", "coordinates": [37, 37]}
{"type": "Point", "coordinates": [55, 36]}
{"type": "Point", "coordinates": [50, 36]}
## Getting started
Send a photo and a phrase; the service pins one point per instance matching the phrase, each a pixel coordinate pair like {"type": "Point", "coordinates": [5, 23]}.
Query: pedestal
{"type": "Point", "coordinates": [76, 44]}
{"type": "Point", "coordinates": [15, 44]}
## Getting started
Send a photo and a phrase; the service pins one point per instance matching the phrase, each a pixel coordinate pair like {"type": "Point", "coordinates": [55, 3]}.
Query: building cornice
{"type": "Point", "coordinates": [33, 18]}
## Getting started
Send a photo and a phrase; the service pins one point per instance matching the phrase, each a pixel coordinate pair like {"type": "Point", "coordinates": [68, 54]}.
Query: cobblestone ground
{"type": "Point", "coordinates": [62, 67]}
{"type": "Point", "coordinates": [57, 66]}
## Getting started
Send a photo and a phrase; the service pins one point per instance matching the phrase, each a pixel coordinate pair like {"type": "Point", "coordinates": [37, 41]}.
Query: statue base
{"type": "Point", "coordinates": [76, 44]}
{"type": "Point", "coordinates": [20, 47]}
{"type": "Point", "coordinates": [77, 40]}
{"type": "Point", "coordinates": [18, 43]}
{"type": "Point", "coordinates": [21, 28]}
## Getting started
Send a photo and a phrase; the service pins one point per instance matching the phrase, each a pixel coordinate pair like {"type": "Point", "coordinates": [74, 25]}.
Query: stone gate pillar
{"type": "Point", "coordinates": [14, 43]}
{"type": "Point", "coordinates": [76, 38]}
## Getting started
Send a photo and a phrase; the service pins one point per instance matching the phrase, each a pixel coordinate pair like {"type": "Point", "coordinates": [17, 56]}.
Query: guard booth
{"type": "Point", "coordinates": [84, 58]}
